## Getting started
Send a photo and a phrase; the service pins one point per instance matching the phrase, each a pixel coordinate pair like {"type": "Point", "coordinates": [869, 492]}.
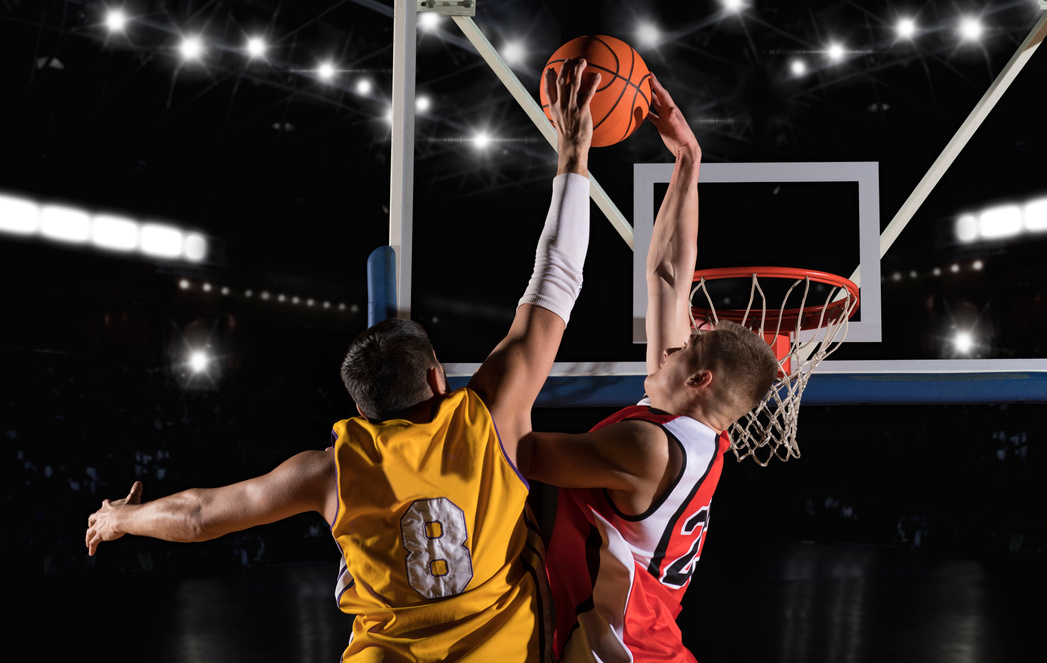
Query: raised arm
{"type": "Point", "coordinates": [305, 482]}
{"type": "Point", "coordinates": [674, 242]}
{"type": "Point", "coordinates": [511, 377]}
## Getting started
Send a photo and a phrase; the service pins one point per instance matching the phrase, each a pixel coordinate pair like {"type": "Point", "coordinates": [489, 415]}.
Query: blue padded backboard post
{"type": "Point", "coordinates": [381, 285]}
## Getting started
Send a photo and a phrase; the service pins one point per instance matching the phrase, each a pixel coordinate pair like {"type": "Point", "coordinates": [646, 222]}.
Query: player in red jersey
{"type": "Point", "coordinates": [631, 521]}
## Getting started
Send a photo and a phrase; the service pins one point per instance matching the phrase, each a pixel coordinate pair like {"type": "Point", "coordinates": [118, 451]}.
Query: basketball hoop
{"type": "Point", "coordinates": [808, 325]}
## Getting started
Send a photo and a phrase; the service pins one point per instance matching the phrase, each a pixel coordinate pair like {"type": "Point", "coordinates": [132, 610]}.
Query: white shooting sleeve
{"type": "Point", "coordinates": [557, 277]}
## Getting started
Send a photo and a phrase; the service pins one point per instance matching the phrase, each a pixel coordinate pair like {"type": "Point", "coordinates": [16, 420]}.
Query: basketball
{"type": "Point", "coordinates": [621, 103]}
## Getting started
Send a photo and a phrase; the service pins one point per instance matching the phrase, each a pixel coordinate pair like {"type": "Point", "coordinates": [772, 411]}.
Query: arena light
{"type": "Point", "coordinates": [513, 52]}
{"type": "Point", "coordinates": [906, 28]}
{"type": "Point", "coordinates": [967, 228]}
{"type": "Point", "coordinates": [648, 34]}
{"type": "Point", "coordinates": [256, 47]}
{"type": "Point", "coordinates": [364, 86]}
{"type": "Point", "coordinates": [198, 361]}
{"type": "Point", "coordinates": [428, 20]}
{"type": "Point", "coordinates": [970, 29]}
{"type": "Point", "coordinates": [65, 223]}
{"type": "Point", "coordinates": [19, 216]}
{"type": "Point", "coordinates": [481, 140]}
{"type": "Point", "coordinates": [161, 240]}
{"type": "Point", "coordinates": [798, 67]}
{"type": "Point", "coordinates": [835, 52]}
{"type": "Point", "coordinates": [423, 103]}
{"type": "Point", "coordinates": [114, 232]}
{"type": "Point", "coordinates": [115, 20]}
{"type": "Point", "coordinates": [1002, 221]}
{"type": "Point", "coordinates": [325, 71]}
{"type": "Point", "coordinates": [1035, 215]}
{"type": "Point", "coordinates": [733, 6]}
{"type": "Point", "coordinates": [963, 342]}
{"type": "Point", "coordinates": [191, 48]}
{"type": "Point", "coordinates": [195, 247]}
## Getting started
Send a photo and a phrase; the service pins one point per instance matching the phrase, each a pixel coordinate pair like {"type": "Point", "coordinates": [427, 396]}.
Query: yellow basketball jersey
{"type": "Point", "coordinates": [441, 557]}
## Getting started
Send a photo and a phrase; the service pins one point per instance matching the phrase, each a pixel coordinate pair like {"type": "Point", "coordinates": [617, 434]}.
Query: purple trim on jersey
{"type": "Point", "coordinates": [504, 454]}
{"type": "Point", "coordinates": [338, 482]}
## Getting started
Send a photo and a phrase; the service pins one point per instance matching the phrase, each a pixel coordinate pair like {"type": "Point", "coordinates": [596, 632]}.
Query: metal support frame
{"type": "Point", "coordinates": [401, 190]}
{"type": "Point", "coordinates": [402, 162]}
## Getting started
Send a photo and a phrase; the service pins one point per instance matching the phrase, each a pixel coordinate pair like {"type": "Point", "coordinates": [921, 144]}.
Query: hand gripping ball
{"type": "Point", "coordinates": [624, 97]}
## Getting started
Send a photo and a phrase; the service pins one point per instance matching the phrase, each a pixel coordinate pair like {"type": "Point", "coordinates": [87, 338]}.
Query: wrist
{"type": "Point", "coordinates": [573, 157]}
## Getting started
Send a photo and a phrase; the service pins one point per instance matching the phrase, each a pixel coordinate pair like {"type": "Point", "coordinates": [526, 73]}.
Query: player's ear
{"type": "Point", "coordinates": [437, 380]}
{"type": "Point", "coordinates": [703, 378]}
{"type": "Point", "coordinates": [361, 412]}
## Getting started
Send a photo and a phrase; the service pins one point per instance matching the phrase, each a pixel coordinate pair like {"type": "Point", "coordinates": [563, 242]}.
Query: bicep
{"type": "Point", "coordinates": [302, 483]}
{"type": "Point", "coordinates": [622, 457]}
{"type": "Point", "coordinates": [668, 320]}
{"type": "Point", "coordinates": [512, 375]}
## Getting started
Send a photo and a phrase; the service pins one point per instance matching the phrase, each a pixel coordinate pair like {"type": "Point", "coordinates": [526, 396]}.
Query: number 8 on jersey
{"type": "Point", "coordinates": [434, 534]}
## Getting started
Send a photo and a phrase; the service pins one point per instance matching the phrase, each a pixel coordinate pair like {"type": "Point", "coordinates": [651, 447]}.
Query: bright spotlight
{"type": "Point", "coordinates": [113, 232]}
{"type": "Point", "coordinates": [1035, 215]}
{"type": "Point", "coordinates": [963, 342]}
{"type": "Point", "coordinates": [326, 71]}
{"type": "Point", "coordinates": [65, 223]}
{"type": "Point", "coordinates": [1003, 221]}
{"type": "Point", "coordinates": [798, 67]}
{"type": "Point", "coordinates": [198, 361]}
{"type": "Point", "coordinates": [192, 48]}
{"type": "Point", "coordinates": [733, 6]}
{"type": "Point", "coordinates": [161, 240]}
{"type": "Point", "coordinates": [970, 29]}
{"type": "Point", "coordinates": [363, 86]}
{"type": "Point", "coordinates": [967, 228]}
{"type": "Point", "coordinates": [195, 247]}
{"type": "Point", "coordinates": [18, 216]}
{"type": "Point", "coordinates": [423, 103]}
{"type": "Point", "coordinates": [513, 52]}
{"type": "Point", "coordinates": [256, 47]}
{"type": "Point", "coordinates": [835, 52]}
{"type": "Point", "coordinates": [648, 34]}
{"type": "Point", "coordinates": [906, 28]}
{"type": "Point", "coordinates": [115, 20]}
{"type": "Point", "coordinates": [481, 140]}
{"type": "Point", "coordinates": [428, 20]}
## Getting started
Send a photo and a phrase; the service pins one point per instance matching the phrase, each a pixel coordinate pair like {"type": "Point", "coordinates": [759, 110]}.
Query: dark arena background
{"type": "Point", "coordinates": [911, 529]}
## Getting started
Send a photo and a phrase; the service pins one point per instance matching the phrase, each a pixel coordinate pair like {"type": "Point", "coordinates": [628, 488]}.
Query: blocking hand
{"type": "Point", "coordinates": [101, 525]}
{"type": "Point", "coordinates": [569, 94]}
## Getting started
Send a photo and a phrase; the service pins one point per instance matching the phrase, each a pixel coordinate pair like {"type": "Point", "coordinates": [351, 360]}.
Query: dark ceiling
{"type": "Point", "coordinates": [290, 175]}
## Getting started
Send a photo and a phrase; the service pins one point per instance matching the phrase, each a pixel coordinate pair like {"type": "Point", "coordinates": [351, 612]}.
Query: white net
{"type": "Point", "coordinates": [807, 326]}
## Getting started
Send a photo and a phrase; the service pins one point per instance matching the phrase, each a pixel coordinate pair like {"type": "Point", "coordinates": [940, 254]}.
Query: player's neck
{"type": "Point", "coordinates": [674, 404]}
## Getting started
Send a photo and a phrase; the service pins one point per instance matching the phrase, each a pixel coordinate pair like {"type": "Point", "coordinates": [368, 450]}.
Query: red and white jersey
{"type": "Point", "coordinates": [618, 580]}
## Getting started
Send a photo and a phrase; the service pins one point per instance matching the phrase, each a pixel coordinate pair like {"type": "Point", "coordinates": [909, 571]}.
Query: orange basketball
{"type": "Point", "coordinates": [621, 103]}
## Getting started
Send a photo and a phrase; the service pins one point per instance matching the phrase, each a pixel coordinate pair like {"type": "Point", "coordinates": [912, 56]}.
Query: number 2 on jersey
{"type": "Point", "coordinates": [435, 534]}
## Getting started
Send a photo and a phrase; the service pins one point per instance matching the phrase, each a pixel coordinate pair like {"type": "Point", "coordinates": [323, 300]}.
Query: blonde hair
{"type": "Point", "coordinates": [745, 362]}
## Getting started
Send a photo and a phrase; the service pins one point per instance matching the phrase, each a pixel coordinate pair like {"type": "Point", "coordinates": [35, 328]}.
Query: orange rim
{"type": "Point", "coordinates": [808, 317]}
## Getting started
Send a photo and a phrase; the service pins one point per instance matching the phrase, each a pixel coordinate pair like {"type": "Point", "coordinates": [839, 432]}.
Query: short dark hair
{"type": "Point", "coordinates": [385, 368]}
{"type": "Point", "coordinates": [747, 360]}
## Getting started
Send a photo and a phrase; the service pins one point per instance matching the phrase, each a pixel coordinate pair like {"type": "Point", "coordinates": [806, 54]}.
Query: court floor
{"type": "Point", "coordinates": [797, 602]}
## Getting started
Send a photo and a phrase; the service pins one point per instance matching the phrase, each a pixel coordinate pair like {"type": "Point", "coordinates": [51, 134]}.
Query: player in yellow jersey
{"type": "Point", "coordinates": [441, 561]}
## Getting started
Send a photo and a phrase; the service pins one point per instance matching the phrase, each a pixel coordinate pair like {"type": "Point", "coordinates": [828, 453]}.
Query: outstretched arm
{"type": "Point", "coordinates": [305, 482]}
{"type": "Point", "coordinates": [511, 377]}
{"type": "Point", "coordinates": [674, 242]}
